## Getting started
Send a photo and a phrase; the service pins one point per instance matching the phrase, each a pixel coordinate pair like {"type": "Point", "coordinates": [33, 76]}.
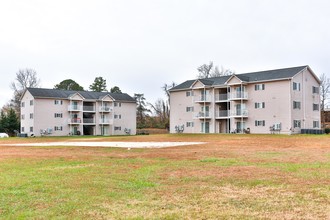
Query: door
{"type": "Point", "coordinates": [240, 126]}
{"type": "Point", "coordinates": [205, 127]}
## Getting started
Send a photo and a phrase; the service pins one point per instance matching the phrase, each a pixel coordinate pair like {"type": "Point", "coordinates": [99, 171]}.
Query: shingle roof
{"type": "Point", "coordinates": [246, 77]}
{"type": "Point", "coordinates": [64, 94]}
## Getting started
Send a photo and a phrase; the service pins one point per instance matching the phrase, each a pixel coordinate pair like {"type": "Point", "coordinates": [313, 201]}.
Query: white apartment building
{"type": "Point", "coordinates": [60, 112]}
{"type": "Point", "coordinates": [274, 101]}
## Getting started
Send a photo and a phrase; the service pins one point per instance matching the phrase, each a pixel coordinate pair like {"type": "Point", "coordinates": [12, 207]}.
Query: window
{"type": "Point", "coordinates": [31, 115]}
{"type": "Point", "coordinates": [31, 102]}
{"type": "Point", "coordinates": [22, 117]}
{"type": "Point", "coordinates": [31, 129]}
{"type": "Point", "coordinates": [296, 105]}
{"type": "Point", "coordinates": [296, 86]}
{"type": "Point", "coordinates": [23, 104]}
{"type": "Point", "coordinates": [117, 128]}
{"type": "Point", "coordinates": [117, 104]}
{"type": "Point", "coordinates": [190, 124]}
{"type": "Point", "coordinates": [189, 109]}
{"type": "Point", "coordinates": [315, 90]}
{"type": "Point", "coordinates": [117, 116]}
{"type": "Point", "coordinates": [316, 124]}
{"type": "Point", "coordinates": [259, 123]}
{"type": "Point", "coordinates": [259, 87]}
{"type": "Point", "coordinates": [259, 105]}
{"type": "Point", "coordinates": [316, 107]}
{"type": "Point", "coordinates": [58, 115]}
{"type": "Point", "coordinates": [296, 123]}
{"type": "Point", "coordinates": [188, 93]}
{"type": "Point", "coordinates": [22, 129]}
{"type": "Point", "coordinates": [58, 102]}
{"type": "Point", "coordinates": [58, 128]}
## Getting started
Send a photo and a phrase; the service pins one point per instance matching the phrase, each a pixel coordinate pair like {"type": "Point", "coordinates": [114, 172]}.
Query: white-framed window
{"type": "Point", "coordinates": [296, 86]}
{"type": "Point", "coordinates": [315, 90]}
{"type": "Point", "coordinates": [58, 115]}
{"type": "Point", "coordinates": [31, 102]}
{"type": "Point", "coordinates": [58, 102]}
{"type": "Point", "coordinates": [58, 128]}
{"type": "Point", "coordinates": [316, 107]}
{"type": "Point", "coordinates": [22, 129]}
{"type": "Point", "coordinates": [297, 123]}
{"type": "Point", "coordinates": [259, 123]}
{"type": "Point", "coordinates": [190, 124]}
{"type": "Point", "coordinates": [31, 129]}
{"type": "Point", "coordinates": [189, 109]}
{"type": "Point", "coordinates": [296, 105]}
{"type": "Point", "coordinates": [23, 104]}
{"type": "Point", "coordinates": [31, 115]}
{"type": "Point", "coordinates": [117, 104]}
{"type": "Point", "coordinates": [189, 93]}
{"type": "Point", "coordinates": [259, 105]}
{"type": "Point", "coordinates": [259, 87]}
{"type": "Point", "coordinates": [316, 124]}
{"type": "Point", "coordinates": [23, 117]}
{"type": "Point", "coordinates": [117, 128]}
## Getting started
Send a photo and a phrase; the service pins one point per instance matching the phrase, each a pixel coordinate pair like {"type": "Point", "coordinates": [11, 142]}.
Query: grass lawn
{"type": "Point", "coordinates": [228, 177]}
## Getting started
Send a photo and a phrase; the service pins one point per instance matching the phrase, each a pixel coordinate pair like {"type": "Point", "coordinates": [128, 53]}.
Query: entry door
{"type": "Point", "coordinates": [240, 126]}
{"type": "Point", "coordinates": [205, 127]}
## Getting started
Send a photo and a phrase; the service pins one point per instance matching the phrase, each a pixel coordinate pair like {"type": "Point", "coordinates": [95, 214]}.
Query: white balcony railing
{"type": "Point", "coordinates": [222, 114]}
{"type": "Point", "coordinates": [239, 95]}
{"type": "Point", "coordinates": [203, 98]}
{"type": "Point", "coordinates": [240, 113]}
{"type": "Point", "coordinates": [105, 121]}
{"type": "Point", "coordinates": [105, 109]}
{"type": "Point", "coordinates": [89, 121]}
{"type": "Point", "coordinates": [74, 108]}
{"type": "Point", "coordinates": [74, 121]}
{"type": "Point", "coordinates": [221, 97]}
{"type": "Point", "coordinates": [206, 114]}
{"type": "Point", "coordinates": [89, 109]}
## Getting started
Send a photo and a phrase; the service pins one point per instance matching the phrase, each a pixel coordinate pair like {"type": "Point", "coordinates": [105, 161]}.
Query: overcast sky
{"type": "Point", "coordinates": [139, 45]}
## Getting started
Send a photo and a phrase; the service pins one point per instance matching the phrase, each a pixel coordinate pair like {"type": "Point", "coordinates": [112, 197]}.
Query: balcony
{"type": "Point", "coordinates": [203, 98]}
{"type": "Point", "coordinates": [88, 108]}
{"type": "Point", "coordinates": [105, 121]}
{"type": "Point", "coordinates": [222, 97]}
{"type": "Point", "coordinates": [89, 121]}
{"type": "Point", "coordinates": [204, 115]}
{"type": "Point", "coordinates": [74, 121]}
{"type": "Point", "coordinates": [239, 96]}
{"type": "Point", "coordinates": [105, 109]}
{"type": "Point", "coordinates": [222, 114]}
{"type": "Point", "coordinates": [240, 113]}
{"type": "Point", "coordinates": [74, 108]}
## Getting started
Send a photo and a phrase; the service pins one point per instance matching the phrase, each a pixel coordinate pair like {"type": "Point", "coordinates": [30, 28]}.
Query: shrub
{"type": "Point", "coordinates": [327, 130]}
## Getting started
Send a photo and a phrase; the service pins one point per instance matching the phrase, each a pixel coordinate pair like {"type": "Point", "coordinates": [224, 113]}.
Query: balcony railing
{"type": "Point", "coordinates": [203, 98]}
{"type": "Point", "coordinates": [221, 97]}
{"type": "Point", "coordinates": [74, 121]}
{"type": "Point", "coordinates": [89, 121]}
{"type": "Point", "coordinates": [206, 114]}
{"type": "Point", "coordinates": [222, 114]}
{"type": "Point", "coordinates": [105, 121]}
{"type": "Point", "coordinates": [89, 109]}
{"type": "Point", "coordinates": [240, 113]}
{"type": "Point", "coordinates": [74, 108]}
{"type": "Point", "coordinates": [239, 95]}
{"type": "Point", "coordinates": [105, 109]}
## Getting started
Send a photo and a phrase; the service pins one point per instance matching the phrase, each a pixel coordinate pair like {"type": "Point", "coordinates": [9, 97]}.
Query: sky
{"type": "Point", "coordinates": [139, 45]}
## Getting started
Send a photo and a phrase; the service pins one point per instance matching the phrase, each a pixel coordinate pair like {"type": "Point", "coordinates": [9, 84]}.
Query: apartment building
{"type": "Point", "coordinates": [274, 101]}
{"type": "Point", "coordinates": [61, 112]}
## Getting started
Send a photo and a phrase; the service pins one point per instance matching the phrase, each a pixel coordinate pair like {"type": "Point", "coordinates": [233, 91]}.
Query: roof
{"type": "Point", "coordinates": [65, 94]}
{"type": "Point", "coordinates": [267, 75]}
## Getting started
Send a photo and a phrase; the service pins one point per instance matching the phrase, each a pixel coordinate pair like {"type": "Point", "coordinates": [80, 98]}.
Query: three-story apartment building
{"type": "Point", "coordinates": [282, 101]}
{"type": "Point", "coordinates": [61, 112]}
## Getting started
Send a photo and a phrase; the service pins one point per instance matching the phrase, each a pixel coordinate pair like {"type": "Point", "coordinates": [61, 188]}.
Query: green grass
{"type": "Point", "coordinates": [121, 184]}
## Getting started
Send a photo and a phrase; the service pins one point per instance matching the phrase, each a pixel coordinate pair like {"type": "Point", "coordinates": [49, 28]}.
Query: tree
{"type": "Point", "coordinates": [9, 122]}
{"type": "Point", "coordinates": [99, 85]}
{"type": "Point", "coordinates": [115, 89]}
{"type": "Point", "coordinates": [141, 109]}
{"type": "Point", "coordinates": [209, 70]}
{"type": "Point", "coordinates": [161, 111]}
{"type": "Point", "coordinates": [69, 84]}
{"type": "Point", "coordinates": [324, 94]}
{"type": "Point", "coordinates": [25, 78]}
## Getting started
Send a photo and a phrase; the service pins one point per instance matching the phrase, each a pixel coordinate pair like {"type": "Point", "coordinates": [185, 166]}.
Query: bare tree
{"type": "Point", "coordinates": [25, 78]}
{"type": "Point", "coordinates": [209, 70]}
{"type": "Point", "coordinates": [324, 95]}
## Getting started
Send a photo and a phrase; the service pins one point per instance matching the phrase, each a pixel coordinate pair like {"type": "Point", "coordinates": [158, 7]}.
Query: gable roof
{"type": "Point", "coordinates": [268, 75]}
{"type": "Point", "coordinates": [65, 94]}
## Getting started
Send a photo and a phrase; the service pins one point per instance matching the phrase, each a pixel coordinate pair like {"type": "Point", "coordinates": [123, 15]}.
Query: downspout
{"type": "Point", "coordinates": [204, 93]}
{"type": "Point", "coordinates": [242, 107]}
